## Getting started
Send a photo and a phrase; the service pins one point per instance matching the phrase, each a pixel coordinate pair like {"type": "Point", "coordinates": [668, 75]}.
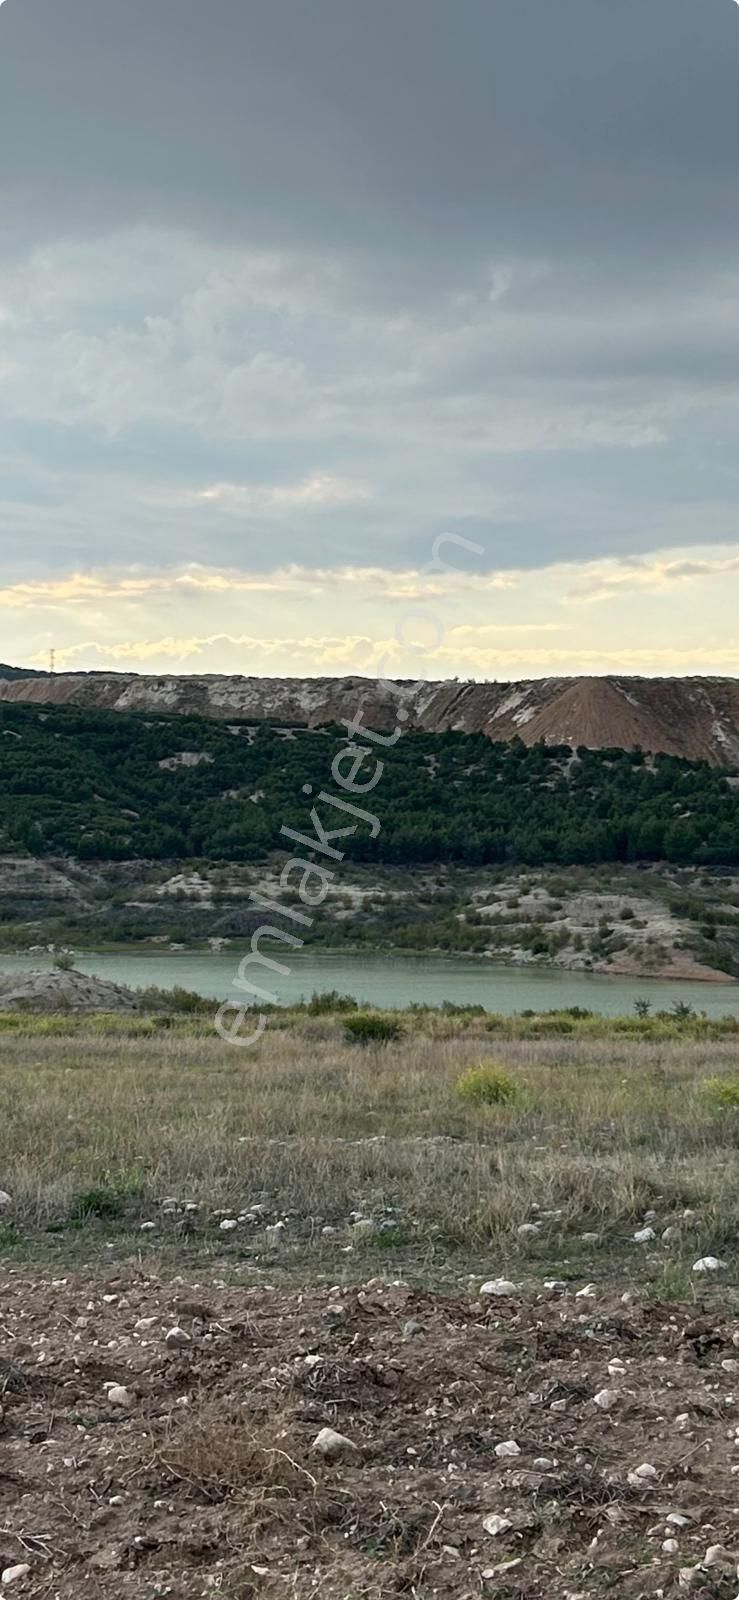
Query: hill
{"type": "Point", "coordinates": [694, 718]}
{"type": "Point", "coordinates": [100, 785]}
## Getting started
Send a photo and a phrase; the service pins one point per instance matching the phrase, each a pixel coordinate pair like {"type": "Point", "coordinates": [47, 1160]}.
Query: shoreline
{"type": "Point", "coordinates": [689, 972]}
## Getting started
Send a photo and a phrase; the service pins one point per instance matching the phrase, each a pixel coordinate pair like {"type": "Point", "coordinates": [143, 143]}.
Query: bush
{"type": "Point", "coordinates": [64, 961]}
{"type": "Point", "coordinates": [104, 1202]}
{"type": "Point", "coordinates": [327, 1000]}
{"type": "Point", "coordinates": [365, 1028]}
{"type": "Point", "coordinates": [722, 1093]}
{"type": "Point", "coordinates": [488, 1085]}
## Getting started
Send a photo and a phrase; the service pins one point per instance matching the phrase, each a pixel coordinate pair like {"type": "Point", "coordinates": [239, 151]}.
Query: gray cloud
{"type": "Point", "coordinates": [478, 258]}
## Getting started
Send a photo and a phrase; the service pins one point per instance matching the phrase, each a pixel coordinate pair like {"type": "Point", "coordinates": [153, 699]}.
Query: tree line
{"type": "Point", "coordinates": [90, 784]}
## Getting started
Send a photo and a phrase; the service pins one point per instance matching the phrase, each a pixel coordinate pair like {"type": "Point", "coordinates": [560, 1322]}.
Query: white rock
{"type": "Point", "coordinates": [557, 1284]}
{"type": "Point", "coordinates": [643, 1235]}
{"type": "Point", "coordinates": [670, 1547]}
{"type": "Point", "coordinates": [677, 1520]}
{"type": "Point", "coordinates": [498, 1286]}
{"type": "Point", "coordinates": [6, 1200]}
{"type": "Point", "coordinates": [528, 1228]}
{"type": "Point", "coordinates": [730, 1366]}
{"type": "Point", "coordinates": [606, 1399]}
{"type": "Point", "coordinates": [144, 1324]}
{"type": "Point", "coordinates": [709, 1264]}
{"type": "Point", "coordinates": [495, 1525]}
{"type": "Point", "coordinates": [176, 1337]}
{"type": "Point", "coordinates": [334, 1446]}
{"type": "Point", "coordinates": [11, 1574]}
{"type": "Point", "coordinates": [508, 1448]}
{"type": "Point", "coordinates": [147, 1227]}
{"type": "Point", "coordinates": [589, 1292]}
{"type": "Point", "coordinates": [716, 1556]}
{"type": "Point", "coordinates": [544, 1464]}
{"type": "Point", "coordinates": [616, 1367]}
{"type": "Point", "coordinates": [228, 1224]}
{"type": "Point", "coordinates": [119, 1396]}
{"type": "Point", "coordinates": [273, 1235]}
{"type": "Point", "coordinates": [646, 1473]}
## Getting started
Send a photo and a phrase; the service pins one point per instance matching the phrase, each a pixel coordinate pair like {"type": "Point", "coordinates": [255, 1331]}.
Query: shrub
{"type": "Point", "coordinates": [64, 961]}
{"type": "Point", "coordinates": [103, 1202]}
{"type": "Point", "coordinates": [366, 1028]}
{"type": "Point", "coordinates": [326, 1000]}
{"type": "Point", "coordinates": [488, 1085]}
{"type": "Point", "coordinates": [722, 1093]}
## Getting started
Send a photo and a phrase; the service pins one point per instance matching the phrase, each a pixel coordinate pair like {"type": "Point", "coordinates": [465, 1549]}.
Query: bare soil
{"type": "Point", "coordinates": [209, 1481]}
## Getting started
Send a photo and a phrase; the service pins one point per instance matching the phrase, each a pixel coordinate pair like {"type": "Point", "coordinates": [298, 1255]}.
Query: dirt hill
{"type": "Point", "coordinates": [697, 718]}
{"type": "Point", "coordinates": [62, 991]}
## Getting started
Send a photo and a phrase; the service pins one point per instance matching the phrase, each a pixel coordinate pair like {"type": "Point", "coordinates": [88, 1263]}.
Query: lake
{"type": "Point", "coordinates": [397, 981]}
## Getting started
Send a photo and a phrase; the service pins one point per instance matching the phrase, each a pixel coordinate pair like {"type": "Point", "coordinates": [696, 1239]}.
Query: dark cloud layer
{"type": "Point", "coordinates": [504, 295]}
{"type": "Point", "coordinates": [574, 127]}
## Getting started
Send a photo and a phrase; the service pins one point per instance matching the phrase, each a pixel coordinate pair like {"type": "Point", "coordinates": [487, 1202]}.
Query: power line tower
{"type": "Point", "coordinates": [52, 660]}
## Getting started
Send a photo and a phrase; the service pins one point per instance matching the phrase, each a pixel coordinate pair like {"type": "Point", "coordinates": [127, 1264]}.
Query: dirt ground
{"type": "Point", "coordinates": [207, 1480]}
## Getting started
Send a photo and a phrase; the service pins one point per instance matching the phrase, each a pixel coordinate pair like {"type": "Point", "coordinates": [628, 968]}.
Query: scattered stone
{"type": "Point", "coordinates": [717, 1556]}
{"type": "Point", "coordinates": [12, 1574]}
{"type": "Point", "coordinates": [606, 1399]}
{"type": "Point", "coordinates": [642, 1475]}
{"type": "Point", "coordinates": [495, 1525]}
{"type": "Point", "coordinates": [5, 1200]}
{"type": "Point", "coordinates": [643, 1235]}
{"type": "Point", "coordinates": [677, 1520]}
{"type": "Point", "coordinates": [144, 1324]}
{"type": "Point", "coordinates": [497, 1286]}
{"type": "Point", "coordinates": [176, 1337]}
{"type": "Point", "coordinates": [411, 1328]}
{"type": "Point", "coordinates": [589, 1292]}
{"type": "Point", "coordinates": [527, 1228]}
{"type": "Point", "coordinates": [147, 1227]}
{"type": "Point", "coordinates": [363, 1228]}
{"type": "Point", "coordinates": [334, 1446]}
{"type": "Point", "coordinates": [709, 1264]}
{"type": "Point", "coordinates": [670, 1547]}
{"type": "Point", "coordinates": [507, 1448]}
{"type": "Point", "coordinates": [228, 1224]}
{"type": "Point", "coordinates": [119, 1396]}
{"type": "Point", "coordinates": [544, 1464]}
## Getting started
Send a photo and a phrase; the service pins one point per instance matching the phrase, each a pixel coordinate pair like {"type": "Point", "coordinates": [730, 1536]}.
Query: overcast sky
{"type": "Point", "coordinates": [289, 288]}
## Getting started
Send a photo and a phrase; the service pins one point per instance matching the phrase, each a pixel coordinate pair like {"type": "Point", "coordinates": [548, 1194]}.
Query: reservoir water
{"type": "Point", "coordinates": [397, 981]}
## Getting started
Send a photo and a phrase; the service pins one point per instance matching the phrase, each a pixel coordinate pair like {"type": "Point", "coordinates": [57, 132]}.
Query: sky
{"type": "Point", "coordinates": [348, 337]}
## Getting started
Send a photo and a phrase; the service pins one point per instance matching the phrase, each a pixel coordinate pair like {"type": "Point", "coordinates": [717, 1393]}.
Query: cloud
{"type": "Point", "coordinates": [287, 292]}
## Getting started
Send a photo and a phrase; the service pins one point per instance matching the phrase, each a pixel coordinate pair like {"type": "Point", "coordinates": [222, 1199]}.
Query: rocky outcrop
{"type": "Point", "coordinates": [63, 991]}
{"type": "Point", "coordinates": [697, 718]}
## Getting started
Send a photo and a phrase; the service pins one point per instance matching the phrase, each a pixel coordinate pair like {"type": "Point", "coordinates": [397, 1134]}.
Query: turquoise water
{"type": "Point", "coordinates": [398, 981]}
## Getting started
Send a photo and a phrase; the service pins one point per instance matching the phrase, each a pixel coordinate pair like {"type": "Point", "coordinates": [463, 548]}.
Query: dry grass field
{"type": "Point", "coordinates": [317, 1219]}
{"type": "Point", "coordinates": [103, 1131]}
